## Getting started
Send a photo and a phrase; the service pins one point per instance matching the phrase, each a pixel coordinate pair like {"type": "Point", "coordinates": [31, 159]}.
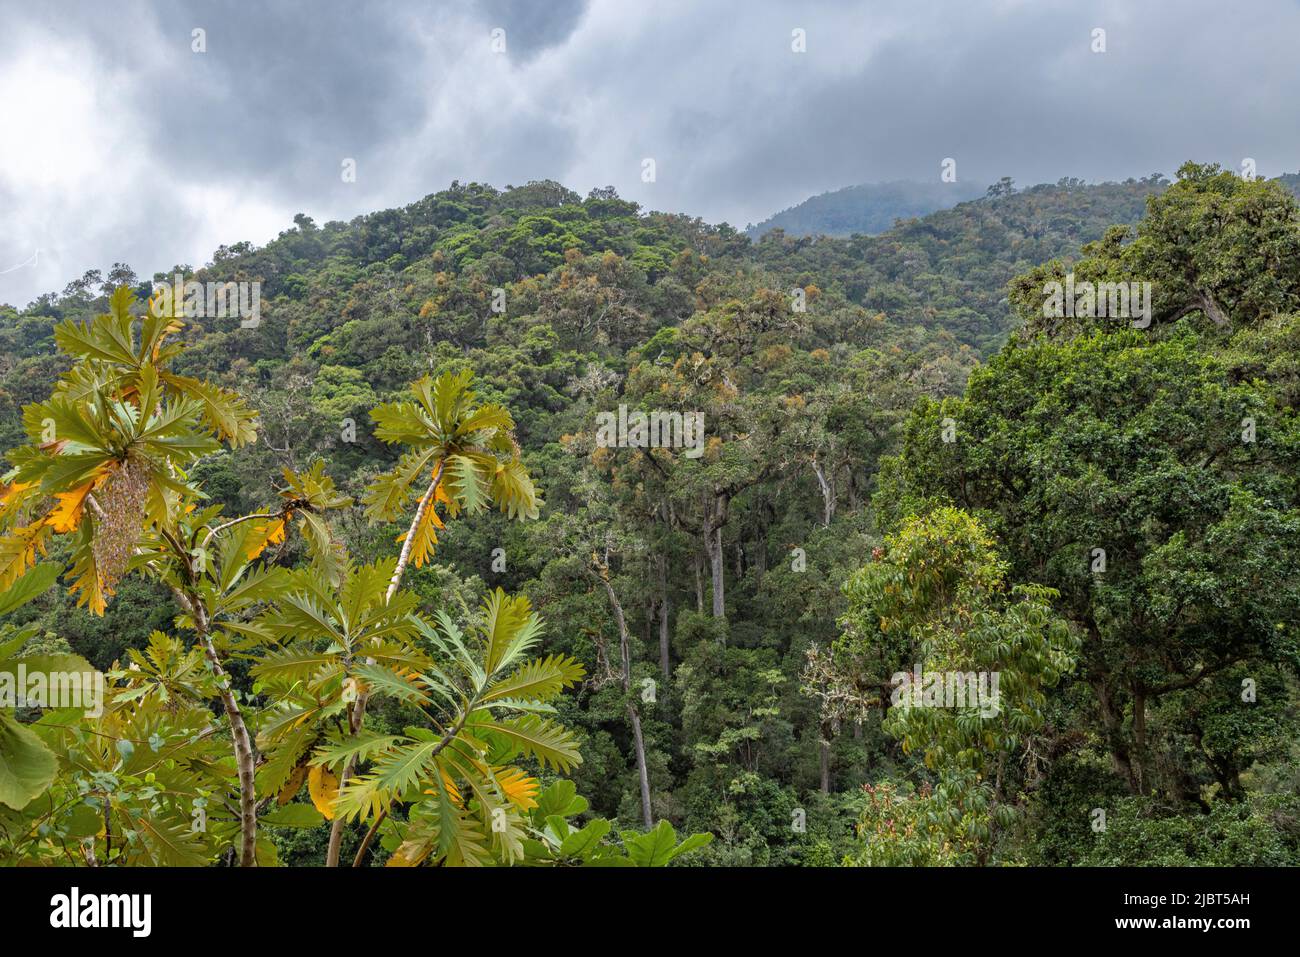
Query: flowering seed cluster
{"type": "Point", "coordinates": [122, 500]}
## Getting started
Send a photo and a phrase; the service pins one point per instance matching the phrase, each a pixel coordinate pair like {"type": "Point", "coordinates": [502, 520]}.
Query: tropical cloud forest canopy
{"type": "Point", "coordinates": [939, 519]}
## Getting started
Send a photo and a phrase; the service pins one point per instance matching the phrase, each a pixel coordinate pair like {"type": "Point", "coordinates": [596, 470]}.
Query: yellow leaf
{"type": "Point", "coordinates": [426, 538]}
{"type": "Point", "coordinates": [410, 853]}
{"type": "Point", "coordinates": [66, 516]}
{"type": "Point", "coordinates": [18, 551]}
{"type": "Point", "coordinates": [519, 788]}
{"type": "Point", "coordinates": [323, 786]}
{"type": "Point", "coordinates": [263, 534]}
{"type": "Point", "coordinates": [12, 495]}
{"type": "Point", "coordinates": [293, 785]}
{"type": "Point", "coordinates": [453, 792]}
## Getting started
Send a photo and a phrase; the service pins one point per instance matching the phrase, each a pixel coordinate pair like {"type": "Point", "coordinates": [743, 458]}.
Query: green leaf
{"type": "Point", "coordinates": [294, 815]}
{"type": "Point", "coordinates": [582, 843]}
{"type": "Point", "coordinates": [652, 849]}
{"type": "Point", "coordinates": [27, 766]}
{"type": "Point", "coordinates": [561, 799]}
{"type": "Point", "coordinates": [84, 821]}
{"type": "Point", "coordinates": [31, 585]}
{"type": "Point", "coordinates": [466, 484]}
{"type": "Point", "coordinates": [536, 737]}
{"type": "Point", "coordinates": [514, 492]}
{"type": "Point", "coordinates": [537, 680]}
{"type": "Point", "coordinates": [658, 847]}
{"type": "Point", "coordinates": [172, 843]}
{"type": "Point", "coordinates": [363, 746]}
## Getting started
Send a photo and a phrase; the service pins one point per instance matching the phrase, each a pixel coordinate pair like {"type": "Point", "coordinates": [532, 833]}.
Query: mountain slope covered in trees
{"type": "Point", "coordinates": [901, 466]}
{"type": "Point", "coordinates": [867, 209]}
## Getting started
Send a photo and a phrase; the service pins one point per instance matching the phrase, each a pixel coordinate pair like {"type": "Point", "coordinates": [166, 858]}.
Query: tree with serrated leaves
{"type": "Point", "coordinates": [108, 468]}
{"type": "Point", "coordinates": [105, 467]}
{"type": "Point", "coordinates": [471, 461]}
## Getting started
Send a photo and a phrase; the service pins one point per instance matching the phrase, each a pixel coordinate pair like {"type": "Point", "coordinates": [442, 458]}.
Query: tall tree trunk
{"type": "Point", "coordinates": [713, 542]}
{"type": "Point", "coordinates": [718, 573]}
{"type": "Point", "coordinates": [638, 742]}
{"type": "Point", "coordinates": [243, 743]}
{"type": "Point", "coordinates": [824, 756]}
{"type": "Point", "coordinates": [699, 584]}
{"type": "Point", "coordinates": [1139, 739]}
{"type": "Point", "coordinates": [634, 717]}
{"type": "Point", "coordinates": [665, 617]}
{"type": "Point", "coordinates": [828, 492]}
{"type": "Point", "coordinates": [357, 715]}
{"type": "Point", "coordinates": [1115, 741]}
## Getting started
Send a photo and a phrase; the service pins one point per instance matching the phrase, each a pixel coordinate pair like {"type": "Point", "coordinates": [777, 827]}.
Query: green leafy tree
{"type": "Point", "coordinates": [1117, 470]}
{"type": "Point", "coordinates": [936, 602]}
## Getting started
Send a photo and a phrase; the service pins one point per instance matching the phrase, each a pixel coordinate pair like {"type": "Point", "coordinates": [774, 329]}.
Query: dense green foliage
{"type": "Point", "coordinates": [889, 479]}
{"type": "Point", "coordinates": [867, 209]}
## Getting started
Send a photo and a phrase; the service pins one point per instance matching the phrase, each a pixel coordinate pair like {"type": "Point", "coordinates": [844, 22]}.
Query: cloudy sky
{"type": "Point", "coordinates": [119, 142]}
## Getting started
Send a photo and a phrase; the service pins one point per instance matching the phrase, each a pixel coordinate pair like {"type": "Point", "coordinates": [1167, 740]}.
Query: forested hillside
{"type": "Point", "coordinates": [902, 465]}
{"type": "Point", "coordinates": [867, 209]}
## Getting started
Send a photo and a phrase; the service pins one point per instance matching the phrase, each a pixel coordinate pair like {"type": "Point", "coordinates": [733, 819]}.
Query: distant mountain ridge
{"type": "Point", "coordinates": [870, 209]}
{"type": "Point", "coordinates": [866, 209]}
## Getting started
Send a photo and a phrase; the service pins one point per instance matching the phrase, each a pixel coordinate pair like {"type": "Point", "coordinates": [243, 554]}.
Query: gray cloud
{"type": "Point", "coordinates": [121, 144]}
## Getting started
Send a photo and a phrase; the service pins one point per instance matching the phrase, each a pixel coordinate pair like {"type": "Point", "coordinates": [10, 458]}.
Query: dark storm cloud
{"type": "Point", "coordinates": [532, 26]}
{"type": "Point", "coordinates": [121, 144]}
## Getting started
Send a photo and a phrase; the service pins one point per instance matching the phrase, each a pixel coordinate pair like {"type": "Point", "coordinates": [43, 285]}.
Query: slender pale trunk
{"type": "Point", "coordinates": [828, 492]}
{"type": "Point", "coordinates": [665, 612]}
{"type": "Point", "coordinates": [634, 717]}
{"type": "Point", "coordinates": [1139, 739]}
{"type": "Point", "coordinates": [404, 558]}
{"type": "Point", "coordinates": [638, 742]}
{"type": "Point", "coordinates": [357, 716]}
{"type": "Point", "coordinates": [713, 542]}
{"type": "Point", "coordinates": [718, 573]}
{"type": "Point", "coordinates": [238, 732]}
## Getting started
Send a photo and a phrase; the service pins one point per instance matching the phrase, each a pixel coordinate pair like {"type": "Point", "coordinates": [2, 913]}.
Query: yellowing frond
{"type": "Point", "coordinates": [426, 538]}
{"type": "Point", "coordinates": [519, 788]}
{"type": "Point", "coordinates": [18, 551]}
{"type": "Point", "coordinates": [11, 496]}
{"type": "Point", "coordinates": [270, 532]}
{"type": "Point", "coordinates": [323, 786]}
{"type": "Point", "coordinates": [88, 580]}
{"type": "Point", "coordinates": [66, 515]}
{"type": "Point", "coordinates": [293, 785]}
{"type": "Point", "coordinates": [453, 792]}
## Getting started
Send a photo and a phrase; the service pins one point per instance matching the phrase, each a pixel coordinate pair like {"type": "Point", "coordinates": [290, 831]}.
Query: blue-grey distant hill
{"type": "Point", "coordinates": [867, 209]}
